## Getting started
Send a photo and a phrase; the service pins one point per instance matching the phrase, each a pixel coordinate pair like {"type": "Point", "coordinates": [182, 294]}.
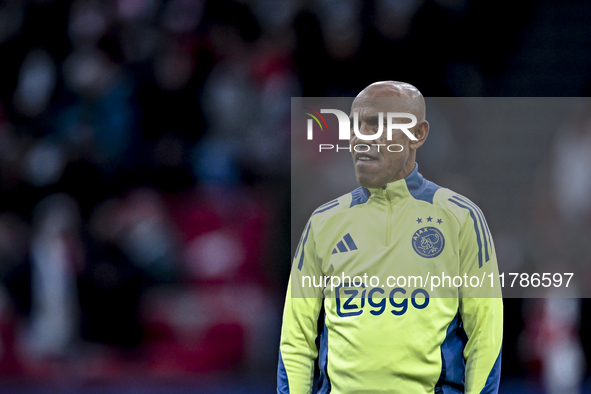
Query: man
{"type": "Point", "coordinates": [385, 337]}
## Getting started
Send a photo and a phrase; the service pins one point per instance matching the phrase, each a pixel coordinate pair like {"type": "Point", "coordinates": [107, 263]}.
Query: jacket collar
{"type": "Point", "coordinates": [414, 184]}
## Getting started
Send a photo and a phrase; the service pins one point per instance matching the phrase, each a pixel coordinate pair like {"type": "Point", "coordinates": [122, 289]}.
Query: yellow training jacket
{"type": "Point", "coordinates": [418, 308]}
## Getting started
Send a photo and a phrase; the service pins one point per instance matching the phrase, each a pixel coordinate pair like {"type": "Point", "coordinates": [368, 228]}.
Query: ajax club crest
{"type": "Point", "coordinates": [428, 242]}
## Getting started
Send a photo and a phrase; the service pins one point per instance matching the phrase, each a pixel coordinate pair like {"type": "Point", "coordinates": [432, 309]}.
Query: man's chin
{"type": "Point", "coordinates": [368, 182]}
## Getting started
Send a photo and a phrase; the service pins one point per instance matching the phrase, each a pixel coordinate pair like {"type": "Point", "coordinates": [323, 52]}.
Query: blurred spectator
{"type": "Point", "coordinates": [571, 160]}
{"type": "Point", "coordinates": [138, 225]}
{"type": "Point", "coordinates": [57, 258]}
{"type": "Point", "coordinates": [100, 119]}
{"type": "Point", "coordinates": [36, 83]}
{"type": "Point", "coordinates": [88, 22]}
{"type": "Point", "coordinates": [551, 339]}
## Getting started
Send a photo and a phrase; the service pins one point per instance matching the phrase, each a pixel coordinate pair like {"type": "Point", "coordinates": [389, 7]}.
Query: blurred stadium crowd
{"type": "Point", "coordinates": [144, 174]}
{"type": "Point", "coordinates": [141, 199]}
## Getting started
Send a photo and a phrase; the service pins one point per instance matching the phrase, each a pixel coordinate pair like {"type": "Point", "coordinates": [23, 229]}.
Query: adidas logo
{"type": "Point", "coordinates": [341, 248]}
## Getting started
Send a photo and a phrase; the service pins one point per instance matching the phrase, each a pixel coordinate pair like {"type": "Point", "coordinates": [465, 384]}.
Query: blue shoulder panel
{"type": "Point", "coordinates": [359, 196]}
{"type": "Point", "coordinates": [419, 187]}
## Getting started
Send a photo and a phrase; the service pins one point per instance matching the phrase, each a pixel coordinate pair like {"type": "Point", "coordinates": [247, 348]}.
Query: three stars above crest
{"type": "Point", "coordinates": [429, 219]}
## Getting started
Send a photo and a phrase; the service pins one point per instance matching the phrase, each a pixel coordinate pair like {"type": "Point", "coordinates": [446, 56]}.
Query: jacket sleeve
{"type": "Point", "coordinates": [303, 302]}
{"type": "Point", "coordinates": [481, 307]}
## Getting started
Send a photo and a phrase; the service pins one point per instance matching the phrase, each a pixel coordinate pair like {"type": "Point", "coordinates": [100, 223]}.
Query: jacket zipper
{"type": "Point", "coordinates": [389, 219]}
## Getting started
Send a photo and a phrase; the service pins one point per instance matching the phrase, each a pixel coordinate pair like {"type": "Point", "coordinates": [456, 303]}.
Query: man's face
{"type": "Point", "coordinates": [376, 167]}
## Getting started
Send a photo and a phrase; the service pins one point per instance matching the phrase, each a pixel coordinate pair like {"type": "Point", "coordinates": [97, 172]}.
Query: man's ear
{"type": "Point", "coordinates": [421, 132]}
